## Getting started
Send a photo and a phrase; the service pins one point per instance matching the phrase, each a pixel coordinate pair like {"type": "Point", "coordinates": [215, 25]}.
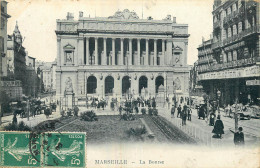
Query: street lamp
{"type": "Point", "coordinates": [218, 94]}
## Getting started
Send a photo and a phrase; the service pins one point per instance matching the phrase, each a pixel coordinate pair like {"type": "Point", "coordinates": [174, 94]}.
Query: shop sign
{"type": "Point", "coordinates": [252, 82]}
{"type": "Point", "coordinates": [233, 73]}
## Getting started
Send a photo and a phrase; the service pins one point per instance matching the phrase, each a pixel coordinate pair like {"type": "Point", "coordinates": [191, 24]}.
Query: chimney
{"type": "Point", "coordinates": [174, 19]}
{"type": "Point", "coordinates": [80, 14]}
{"type": "Point", "coordinates": [70, 16]}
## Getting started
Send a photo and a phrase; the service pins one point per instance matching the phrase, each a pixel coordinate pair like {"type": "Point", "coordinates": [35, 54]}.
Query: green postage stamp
{"type": "Point", "coordinates": [50, 149]}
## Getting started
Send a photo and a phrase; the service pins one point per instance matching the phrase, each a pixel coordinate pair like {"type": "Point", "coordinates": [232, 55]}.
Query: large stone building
{"type": "Point", "coordinates": [121, 55]}
{"type": "Point", "coordinates": [229, 62]}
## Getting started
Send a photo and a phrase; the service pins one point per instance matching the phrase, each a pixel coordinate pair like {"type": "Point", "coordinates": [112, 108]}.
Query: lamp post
{"type": "Point", "coordinates": [218, 94]}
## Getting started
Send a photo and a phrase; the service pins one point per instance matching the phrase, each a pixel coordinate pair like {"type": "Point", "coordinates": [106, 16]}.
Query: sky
{"type": "Point", "coordinates": [37, 19]}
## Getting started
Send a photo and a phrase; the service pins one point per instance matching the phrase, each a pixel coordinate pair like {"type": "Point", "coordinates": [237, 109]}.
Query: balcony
{"type": "Point", "coordinates": [241, 35]}
{"type": "Point", "coordinates": [205, 60]}
{"type": "Point", "coordinates": [217, 44]}
{"type": "Point", "coordinates": [217, 24]}
{"type": "Point", "coordinates": [234, 15]}
{"type": "Point", "coordinates": [231, 65]}
{"type": "Point", "coordinates": [251, 4]}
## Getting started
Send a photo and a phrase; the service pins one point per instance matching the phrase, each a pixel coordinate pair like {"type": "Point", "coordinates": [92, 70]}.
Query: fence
{"type": "Point", "coordinates": [203, 137]}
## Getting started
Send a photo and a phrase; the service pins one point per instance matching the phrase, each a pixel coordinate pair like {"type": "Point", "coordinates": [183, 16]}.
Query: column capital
{"type": "Point", "coordinates": [147, 39]}
{"type": "Point", "coordinates": [122, 39]}
{"type": "Point", "coordinates": [105, 38]}
{"type": "Point", "coordinates": [130, 39]}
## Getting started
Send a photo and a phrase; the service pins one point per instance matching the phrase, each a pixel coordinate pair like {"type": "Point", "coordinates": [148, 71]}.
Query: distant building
{"type": "Point", "coordinates": [228, 64]}
{"type": "Point", "coordinates": [53, 78]}
{"type": "Point", "coordinates": [32, 83]}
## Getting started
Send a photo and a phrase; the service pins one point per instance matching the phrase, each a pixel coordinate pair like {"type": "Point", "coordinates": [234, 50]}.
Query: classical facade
{"type": "Point", "coordinates": [229, 61]}
{"type": "Point", "coordinates": [121, 54]}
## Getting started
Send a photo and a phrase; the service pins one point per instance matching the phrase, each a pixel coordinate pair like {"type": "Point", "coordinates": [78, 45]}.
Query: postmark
{"type": "Point", "coordinates": [64, 149]}
{"type": "Point", "coordinates": [46, 149]}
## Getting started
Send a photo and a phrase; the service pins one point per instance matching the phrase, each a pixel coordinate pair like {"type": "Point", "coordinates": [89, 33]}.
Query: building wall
{"type": "Point", "coordinates": [233, 52]}
{"type": "Point", "coordinates": [140, 35]}
{"type": "Point", "coordinates": [3, 38]}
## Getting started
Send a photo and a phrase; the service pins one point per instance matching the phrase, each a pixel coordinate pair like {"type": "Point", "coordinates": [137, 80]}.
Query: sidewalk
{"type": "Point", "coordinates": [33, 121]}
{"type": "Point", "coordinates": [200, 130]}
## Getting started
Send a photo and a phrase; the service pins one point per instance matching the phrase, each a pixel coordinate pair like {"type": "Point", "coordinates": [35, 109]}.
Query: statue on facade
{"type": "Point", "coordinates": [68, 87]}
{"type": "Point", "coordinates": [177, 84]}
{"type": "Point", "coordinates": [125, 14]}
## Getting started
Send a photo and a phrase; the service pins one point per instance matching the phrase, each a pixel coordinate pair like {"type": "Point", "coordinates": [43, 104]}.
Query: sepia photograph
{"type": "Point", "coordinates": [130, 84]}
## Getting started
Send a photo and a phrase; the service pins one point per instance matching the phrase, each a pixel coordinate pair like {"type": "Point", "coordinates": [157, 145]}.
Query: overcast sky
{"type": "Point", "coordinates": [37, 19]}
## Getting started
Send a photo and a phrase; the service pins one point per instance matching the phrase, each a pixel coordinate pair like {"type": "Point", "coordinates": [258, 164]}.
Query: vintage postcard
{"type": "Point", "coordinates": [130, 84]}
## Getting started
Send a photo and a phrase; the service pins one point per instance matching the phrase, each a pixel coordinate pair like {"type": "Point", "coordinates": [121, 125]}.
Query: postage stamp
{"type": "Point", "coordinates": [51, 149]}
{"type": "Point", "coordinates": [64, 149]}
{"type": "Point", "coordinates": [19, 149]}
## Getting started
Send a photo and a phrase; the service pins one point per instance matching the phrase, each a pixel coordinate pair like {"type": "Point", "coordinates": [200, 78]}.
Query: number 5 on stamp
{"type": "Point", "coordinates": [64, 149]}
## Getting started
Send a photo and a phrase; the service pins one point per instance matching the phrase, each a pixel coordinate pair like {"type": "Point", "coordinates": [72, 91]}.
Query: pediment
{"type": "Point", "coordinates": [177, 48]}
{"type": "Point", "coordinates": [69, 47]}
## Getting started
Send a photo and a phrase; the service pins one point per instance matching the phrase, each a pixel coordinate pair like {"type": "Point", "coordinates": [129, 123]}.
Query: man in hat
{"type": "Point", "coordinates": [239, 137]}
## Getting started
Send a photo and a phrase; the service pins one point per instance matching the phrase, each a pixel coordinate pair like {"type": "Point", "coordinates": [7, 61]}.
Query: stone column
{"type": "Point", "coordinates": [146, 52]}
{"type": "Point", "coordinates": [113, 51]}
{"type": "Point", "coordinates": [104, 59]}
{"type": "Point", "coordinates": [163, 52]}
{"type": "Point", "coordinates": [121, 60]}
{"type": "Point", "coordinates": [80, 52]}
{"type": "Point", "coordinates": [185, 53]}
{"type": "Point", "coordinates": [87, 51]}
{"type": "Point", "coordinates": [155, 53]}
{"type": "Point", "coordinates": [169, 52]}
{"type": "Point", "coordinates": [59, 62]}
{"type": "Point", "coordinates": [130, 52]}
{"type": "Point", "coordinates": [239, 27]}
{"type": "Point", "coordinates": [138, 52]}
{"type": "Point", "coordinates": [96, 51]}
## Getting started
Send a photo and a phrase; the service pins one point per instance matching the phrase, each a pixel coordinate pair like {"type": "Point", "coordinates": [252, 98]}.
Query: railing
{"type": "Point", "coordinates": [242, 34]}
{"type": "Point", "coordinates": [216, 24]}
{"type": "Point", "coordinates": [206, 60]}
{"type": "Point", "coordinates": [217, 44]}
{"type": "Point", "coordinates": [234, 14]}
{"type": "Point", "coordinates": [232, 64]}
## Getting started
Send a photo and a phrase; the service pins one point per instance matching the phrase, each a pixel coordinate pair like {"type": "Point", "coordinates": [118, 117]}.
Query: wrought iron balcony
{"type": "Point", "coordinates": [231, 65]}
{"type": "Point", "coordinates": [217, 44]}
{"type": "Point", "coordinates": [241, 35]}
{"type": "Point", "coordinates": [217, 24]}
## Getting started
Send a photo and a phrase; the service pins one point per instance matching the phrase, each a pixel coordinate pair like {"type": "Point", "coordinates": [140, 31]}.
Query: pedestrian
{"type": "Point", "coordinates": [218, 128]}
{"type": "Point", "coordinates": [120, 111]}
{"type": "Point", "coordinates": [184, 115]}
{"type": "Point", "coordinates": [179, 111]}
{"type": "Point", "coordinates": [212, 119]}
{"type": "Point", "coordinates": [189, 114]}
{"type": "Point", "coordinates": [172, 110]}
{"type": "Point", "coordinates": [239, 137]}
{"type": "Point", "coordinates": [227, 109]}
{"type": "Point", "coordinates": [15, 120]}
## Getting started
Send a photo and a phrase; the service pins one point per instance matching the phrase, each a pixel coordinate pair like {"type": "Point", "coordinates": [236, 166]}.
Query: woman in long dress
{"type": "Point", "coordinates": [218, 128]}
